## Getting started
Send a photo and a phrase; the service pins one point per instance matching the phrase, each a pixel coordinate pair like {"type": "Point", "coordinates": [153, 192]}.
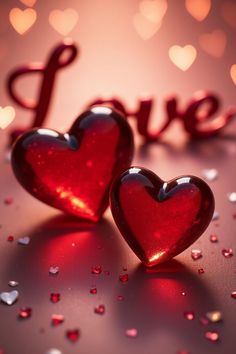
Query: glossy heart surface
{"type": "Point", "coordinates": [160, 219]}
{"type": "Point", "coordinates": [73, 171]}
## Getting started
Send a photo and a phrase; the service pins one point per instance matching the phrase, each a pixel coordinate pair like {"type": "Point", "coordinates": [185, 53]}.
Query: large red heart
{"type": "Point", "coordinates": [160, 219]}
{"type": "Point", "coordinates": [73, 172]}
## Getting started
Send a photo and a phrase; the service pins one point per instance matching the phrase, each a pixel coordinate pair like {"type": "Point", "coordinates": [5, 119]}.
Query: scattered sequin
{"type": "Point", "coordinates": [100, 310]}
{"type": "Point", "coordinates": [55, 297]}
{"type": "Point", "coordinates": [196, 254]}
{"type": "Point", "coordinates": [96, 270]}
{"type": "Point", "coordinates": [13, 283]}
{"type": "Point", "coordinates": [53, 351]}
{"type": "Point", "coordinates": [131, 332]}
{"type": "Point", "coordinates": [189, 315]}
{"type": "Point", "coordinates": [24, 241]}
{"type": "Point", "coordinates": [123, 278]}
{"type": "Point", "coordinates": [210, 174]}
{"type": "Point", "coordinates": [212, 336]}
{"type": "Point", "coordinates": [232, 197]}
{"type": "Point", "coordinates": [215, 216]}
{"type": "Point", "coordinates": [183, 293]}
{"type": "Point", "coordinates": [54, 270]}
{"type": "Point", "coordinates": [227, 253]}
{"type": "Point", "coordinates": [57, 319]}
{"type": "Point", "coordinates": [214, 316]}
{"type": "Point", "coordinates": [9, 298]}
{"type": "Point", "coordinates": [233, 294]}
{"type": "Point", "coordinates": [72, 334]}
{"type": "Point", "coordinates": [93, 290]}
{"type": "Point", "coordinates": [25, 312]}
{"type": "Point", "coordinates": [201, 271]}
{"type": "Point", "coordinates": [10, 238]}
{"type": "Point", "coordinates": [214, 238]}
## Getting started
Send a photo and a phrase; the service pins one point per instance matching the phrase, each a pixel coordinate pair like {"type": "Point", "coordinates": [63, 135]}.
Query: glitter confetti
{"type": "Point", "coordinates": [93, 290]}
{"type": "Point", "coordinates": [233, 294]}
{"type": "Point", "coordinates": [96, 270]}
{"type": "Point", "coordinates": [196, 254]}
{"type": "Point", "coordinates": [53, 351]}
{"type": "Point", "coordinates": [227, 253]}
{"type": "Point", "coordinates": [55, 297]}
{"type": "Point", "coordinates": [10, 238]}
{"type": "Point", "coordinates": [123, 278]}
{"type": "Point", "coordinates": [100, 310]}
{"type": "Point", "coordinates": [9, 298]}
{"type": "Point", "coordinates": [25, 312]}
{"type": "Point", "coordinates": [72, 334]}
{"type": "Point", "coordinates": [214, 238]}
{"type": "Point", "coordinates": [54, 270]}
{"type": "Point", "coordinates": [57, 319]}
{"type": "Point", "coordinates": [214, 316]}
{"type": "Point", "coordinates": [215, 216]}
{"type": "Point", "coordinates": [232, 197]}
{"type": "Point", "coordinates": [210, 174]}
{"type": "Point", "coordinates": [131, 332]}
{"type": "Point", "coordinates": [13, 283]}
{"type": "Point", "coordinates": [201, 271]}
{"type": "Point", "coordinates": [189, 315]}
{"type": "Point", "coordinates": [24, 241]}
{"type": "Point", "coordinates": [212, 336]}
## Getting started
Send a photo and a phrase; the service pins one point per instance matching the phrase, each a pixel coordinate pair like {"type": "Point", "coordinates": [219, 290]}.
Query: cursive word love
{"type": "Point", "coordinates": [198, 117]}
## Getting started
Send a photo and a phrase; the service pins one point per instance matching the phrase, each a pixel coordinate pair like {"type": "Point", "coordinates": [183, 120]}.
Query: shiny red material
{"type": "Point", "coordinates": [40, 106]}
{"type": "Point", "coordinates": [160, 219]}
{"type": "Point", "coordinates": [73, 172]}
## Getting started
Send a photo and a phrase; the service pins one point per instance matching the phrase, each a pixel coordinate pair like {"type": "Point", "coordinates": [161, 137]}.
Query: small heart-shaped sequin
{"type": "Point", "coordinates": [9, 297]}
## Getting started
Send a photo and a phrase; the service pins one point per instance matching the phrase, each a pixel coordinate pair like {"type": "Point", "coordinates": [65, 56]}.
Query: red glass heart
{"type": "Point", "coordinates": [160, 219]}
{"type": "Point", "coordinates": [73, 172]}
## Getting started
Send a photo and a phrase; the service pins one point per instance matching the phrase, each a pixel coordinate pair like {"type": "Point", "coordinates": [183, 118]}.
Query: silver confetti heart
{"type": "Point", "coordinates": [24, 241]}
{"type": "Point", "coordinates": [54, 270]}
{"type": "Point", "coordinates": [53, 351]}
{"type": "Point", "coordinates": [210, 174]}
{"type": "Point", "coordinates": [9, 298]}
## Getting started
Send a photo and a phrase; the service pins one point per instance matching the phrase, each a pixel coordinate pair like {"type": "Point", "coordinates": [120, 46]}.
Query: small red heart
{"type": "Point", "coordinates": [73, 172]}
{"type": "Point", "coordinates": [160, 219]}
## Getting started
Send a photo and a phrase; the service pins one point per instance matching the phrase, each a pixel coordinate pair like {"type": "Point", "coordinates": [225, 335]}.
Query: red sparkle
{"type": "Point", "coordinates": [10, 238]}
{"type": "Point", "coordinates": [124, 278]}
{"type": "Point", "coordinates": [72, 334]}
{"type": "Point", "coordinates": [93, 290]}
{"type": "Point", "coordinates": [100, 310]}
{"type": "Point", "coordinates": [55, 297]}
{"type": "Point", "coordinates": [25, 312]}
{"type": "Point", "coordinates": [96, 269]}
{"type": "Point", "coordinates": [57, 319]}
{"type": "Point", "coordinates": [189, 315]}
{"type": "Point", "coordinates": [212, 336]}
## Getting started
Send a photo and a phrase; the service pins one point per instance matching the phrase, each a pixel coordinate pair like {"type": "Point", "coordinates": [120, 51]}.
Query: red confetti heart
{"type": "Point", "coordinates": [72, 335]}
{"type": "Point", "coordinates": [160, 219]}
{"type": "Point", "coordinates": [73, 172]}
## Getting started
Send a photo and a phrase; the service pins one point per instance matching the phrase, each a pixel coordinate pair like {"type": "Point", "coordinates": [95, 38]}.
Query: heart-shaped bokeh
{"type": "Point", "coordinates": [73, 172]}
{"type": "Point", "coordinates": [160, 219]}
